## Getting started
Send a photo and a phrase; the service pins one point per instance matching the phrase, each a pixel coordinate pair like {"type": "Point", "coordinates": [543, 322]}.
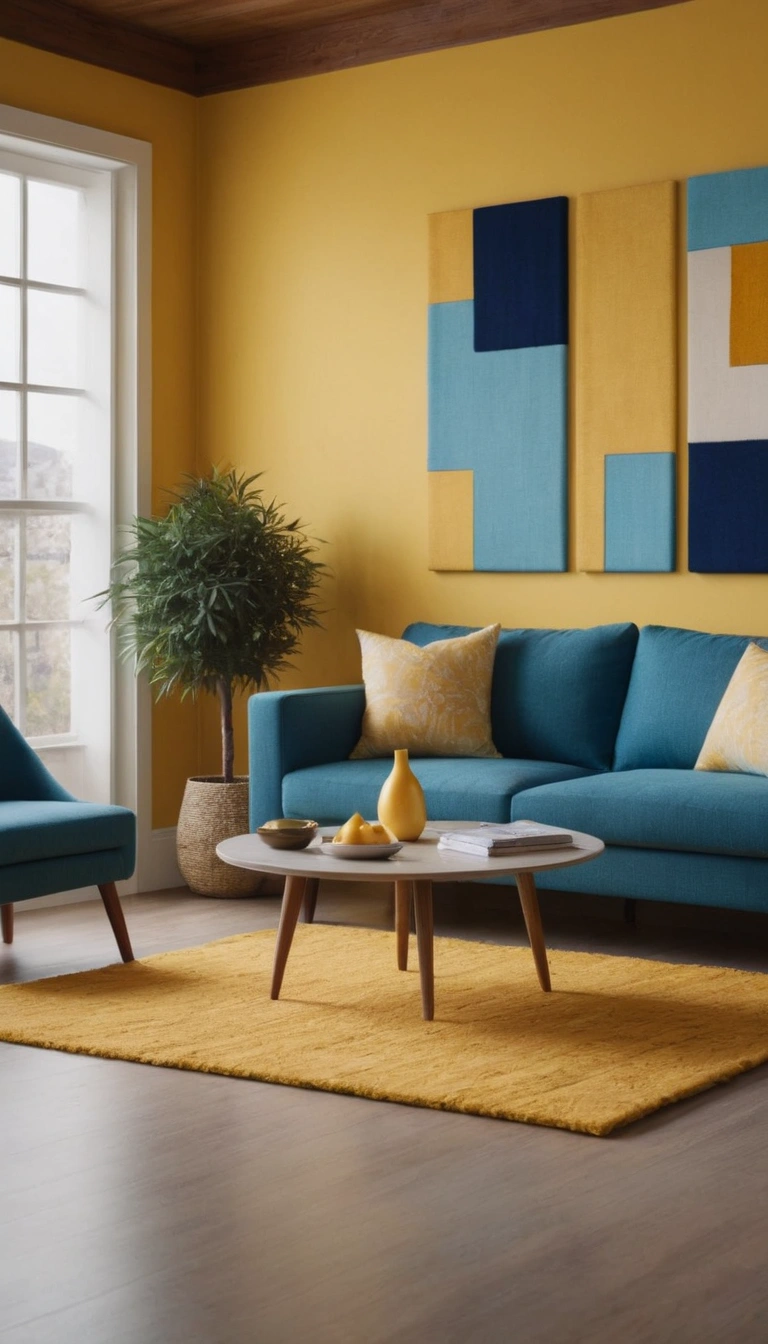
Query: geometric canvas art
{"type": "Point", "coordinates": [498, 387]}
{"type": "Point", "coordinates": [625, 384]}
{"type": "Point", "coordinates": [728, 372]}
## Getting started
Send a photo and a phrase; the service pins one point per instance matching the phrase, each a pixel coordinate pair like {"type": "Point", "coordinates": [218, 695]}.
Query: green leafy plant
{"type": "Point", "coordinates": [215, 595]}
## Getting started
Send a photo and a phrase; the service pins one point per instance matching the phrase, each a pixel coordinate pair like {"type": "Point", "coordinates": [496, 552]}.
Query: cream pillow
{"type": "Point", "coordinates": [435, 701]}
{"type": "Point", "coordinates": [738, 735]}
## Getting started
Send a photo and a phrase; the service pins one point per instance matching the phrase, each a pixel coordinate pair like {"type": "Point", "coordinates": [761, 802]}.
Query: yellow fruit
{"type": "Point", "coordinates": [371, 833]}
{"type": "Point", "coordinates": [356, 831]}
{"type": "Point", "coordinates": [350, 831]}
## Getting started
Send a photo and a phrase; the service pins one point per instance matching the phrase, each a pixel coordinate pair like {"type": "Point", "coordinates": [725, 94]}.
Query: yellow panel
{"type": "Point", "coordinates": [749, 304]}
{"type": "Point", "coordinates": [625, 342]}
{"type": "Point", "coordinates": [451, 276]}
{"type": "Point", "coordinates": [451, 535]}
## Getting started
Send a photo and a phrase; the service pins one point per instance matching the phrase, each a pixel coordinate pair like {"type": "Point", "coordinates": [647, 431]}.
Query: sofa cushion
{"type": "Point", "coordinates": [432, 700]}
{"type": "Point", "coordinates": [557, 695]}
{"type": "Point", "coordinates": [678, 680]}
{"type": "Point", "coordinates": [32, 831]}
{"type": "Point", "coordinates": [463, 789]}
{"type": "Point", "coordinates": [737, 739]}
{"type": "Point", "coordinates": [658, 809]}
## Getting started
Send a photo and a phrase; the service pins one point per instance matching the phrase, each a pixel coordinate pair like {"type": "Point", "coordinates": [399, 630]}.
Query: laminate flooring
{"type": "Point", "coordinates": [148, 1206]}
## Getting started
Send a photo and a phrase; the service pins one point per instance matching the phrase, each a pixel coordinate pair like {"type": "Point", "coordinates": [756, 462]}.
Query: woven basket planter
{"type": "Point", "coordinates": [212, 811]}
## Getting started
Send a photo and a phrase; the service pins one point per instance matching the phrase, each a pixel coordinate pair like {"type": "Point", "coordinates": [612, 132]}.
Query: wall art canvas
{"type": "Point", "coordinates": [625, 378]}
{"type": "Point", "coordinates": [498, 387]}
{"type": "Point", "coordinates": [728, 372]}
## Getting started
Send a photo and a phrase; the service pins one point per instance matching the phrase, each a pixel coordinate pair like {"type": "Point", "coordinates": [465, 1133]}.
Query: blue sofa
{"type": "Point", "coordinates": [599, 731]}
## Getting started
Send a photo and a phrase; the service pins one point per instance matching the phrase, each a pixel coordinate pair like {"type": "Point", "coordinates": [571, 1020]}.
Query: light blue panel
{"type": "Point", "coordinates": [452, 438]}
{"type": "Point", "coordinates": [502, 414]}
{"type": "Point", "coordinates": [640, 512]}
{"type": "Point", "coordinates": [728, 208]}
{"type": "Point", "coordinates": [520, 481]}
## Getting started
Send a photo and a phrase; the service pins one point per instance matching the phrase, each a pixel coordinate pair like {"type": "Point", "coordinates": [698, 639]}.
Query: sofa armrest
{"type": "Point", "coordinates": [288, 730]}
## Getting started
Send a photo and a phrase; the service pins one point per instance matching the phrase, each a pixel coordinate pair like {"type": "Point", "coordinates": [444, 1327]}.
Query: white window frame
{"type": "Point", "coordinates": [129, 163]}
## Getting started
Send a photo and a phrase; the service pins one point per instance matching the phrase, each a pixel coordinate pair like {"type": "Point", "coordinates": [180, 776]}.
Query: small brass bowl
{"type": "Point", "coordinates": [287, 833]}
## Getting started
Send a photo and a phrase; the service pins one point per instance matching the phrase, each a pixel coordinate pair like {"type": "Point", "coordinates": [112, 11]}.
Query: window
{"type": "Point", "coordinates": [55, 442]}
{"type": "Point", "coordinates": [74, 441]}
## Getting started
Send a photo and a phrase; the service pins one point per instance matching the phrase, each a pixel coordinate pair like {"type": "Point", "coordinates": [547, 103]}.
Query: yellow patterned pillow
{"type": "Point", "coordinates": [436, 700]}
{"type": "Point", "coordinates": [738, 735]}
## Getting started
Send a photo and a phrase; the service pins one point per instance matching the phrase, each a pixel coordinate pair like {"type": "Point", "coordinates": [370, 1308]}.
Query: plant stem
{"type": "Point", "coordinates": [227, 735]}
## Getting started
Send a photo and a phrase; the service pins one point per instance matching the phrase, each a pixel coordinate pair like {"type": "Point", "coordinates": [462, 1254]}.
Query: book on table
{"type": "Point", "coordinates": [491, 839]}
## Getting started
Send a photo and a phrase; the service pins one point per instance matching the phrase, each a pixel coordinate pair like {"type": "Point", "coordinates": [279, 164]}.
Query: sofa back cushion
{"type": "Point", "coordinates": [557, 695]}
{"type": "Point", "coordinates": [678, 680]}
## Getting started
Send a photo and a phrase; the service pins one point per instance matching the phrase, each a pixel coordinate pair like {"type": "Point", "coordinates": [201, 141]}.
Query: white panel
{"type": "Point", "coordinates": [724, 403]}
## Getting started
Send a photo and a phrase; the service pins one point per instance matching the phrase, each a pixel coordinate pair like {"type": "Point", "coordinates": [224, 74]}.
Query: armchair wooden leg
{"type": "Point", "coordinates": [310, 898]}
{"type": "Point", "coordinates": [109, 896]}
{"type": "Point", "coordinates": [6, 915]}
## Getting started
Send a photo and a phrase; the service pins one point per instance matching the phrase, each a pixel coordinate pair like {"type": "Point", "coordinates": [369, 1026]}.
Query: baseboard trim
{"type": "Point", "coordinates": [159, 869]}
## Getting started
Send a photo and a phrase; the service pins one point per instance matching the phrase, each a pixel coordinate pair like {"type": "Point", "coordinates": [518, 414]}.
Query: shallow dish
{"type": "Point", "coordinates": [287, 833]}
{"type": "Point", "coordinates": [360, 851]}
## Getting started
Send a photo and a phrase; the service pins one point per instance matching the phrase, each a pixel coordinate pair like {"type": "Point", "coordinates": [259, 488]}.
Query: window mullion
{"type": "Point", "coordinates": [21, 559]}
{"type": "Point", "coordinates": [21, 641]}
{"type": "Point", "coordinates": [23, 456]}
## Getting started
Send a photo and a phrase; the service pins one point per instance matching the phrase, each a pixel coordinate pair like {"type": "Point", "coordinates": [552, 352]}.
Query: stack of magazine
{"type": "Point", "coordinates": [488, 839]}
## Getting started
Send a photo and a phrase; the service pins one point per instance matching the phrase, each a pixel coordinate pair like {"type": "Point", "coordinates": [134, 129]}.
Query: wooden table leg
{"type": "Point", "coordinates": [6, 912]}
{"type": "Point", "coordinates": [422, 905]}
{"type": "Point", "coordinates": [532, 916]}
{"type": "Point", "coordinates": [293, 895]}
{"type": "Point", "coordinates": [403, 898]}
{"type": "Point", "coordinates": [310, 899]}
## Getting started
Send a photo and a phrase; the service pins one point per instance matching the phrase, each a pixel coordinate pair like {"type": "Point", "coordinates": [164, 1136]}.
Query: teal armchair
{"type": "Point", "coordinates": [50, 841]}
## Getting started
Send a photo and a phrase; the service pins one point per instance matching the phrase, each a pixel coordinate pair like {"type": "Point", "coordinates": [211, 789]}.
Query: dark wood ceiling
{"type": "Point", "coordinates": [210, 46]}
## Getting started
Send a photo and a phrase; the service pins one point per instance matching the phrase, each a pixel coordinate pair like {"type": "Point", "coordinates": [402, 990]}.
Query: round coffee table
{"type": "Point", "coordinates": [413, 870]}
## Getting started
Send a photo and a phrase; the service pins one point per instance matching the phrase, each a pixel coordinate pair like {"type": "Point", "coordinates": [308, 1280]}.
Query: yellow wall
{"type": "Point", "coordinates": [312, 285]}
{"type": "Point", "coordinates": [313, 265]}
{"type": "Point", "coordinates": [40, 82]}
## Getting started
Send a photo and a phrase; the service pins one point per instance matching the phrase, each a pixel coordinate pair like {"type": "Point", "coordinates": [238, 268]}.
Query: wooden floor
{"type": "Point", "coordinates": [147, 1206]}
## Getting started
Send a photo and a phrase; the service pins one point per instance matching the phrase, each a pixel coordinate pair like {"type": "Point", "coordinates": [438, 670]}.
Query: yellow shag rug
{"type": "Point", "coordinates": [616, 1039]}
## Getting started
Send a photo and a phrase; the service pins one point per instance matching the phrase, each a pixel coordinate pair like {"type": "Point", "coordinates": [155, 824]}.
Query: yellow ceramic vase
{"type": "Point", "coordinates": [401, 802]}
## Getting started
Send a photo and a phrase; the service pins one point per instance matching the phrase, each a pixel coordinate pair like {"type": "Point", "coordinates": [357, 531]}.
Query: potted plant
{"type": "Point", "coordinates": [214, 596]}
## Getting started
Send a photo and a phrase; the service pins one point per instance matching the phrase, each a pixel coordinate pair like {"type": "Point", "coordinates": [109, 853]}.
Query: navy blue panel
{"type": "Point", "coordinates": [728, 507]}
{"type": "Point", "coordinates": [521, 274]}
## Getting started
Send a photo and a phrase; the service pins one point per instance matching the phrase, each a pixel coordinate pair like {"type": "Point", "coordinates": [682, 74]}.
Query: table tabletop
{"type": "Point", "coordinates": [419, 860]}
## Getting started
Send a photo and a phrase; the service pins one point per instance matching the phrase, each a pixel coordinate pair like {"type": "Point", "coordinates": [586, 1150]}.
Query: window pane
{"type": "Point", "coordinates": [53, 330]}
{"type": "Point", "coordinates": [10, 224]}
{"type": "Point", "coordinates": [10, 309]}
{"type": "Point", "coordinates": [53, 227]}
{"type": "Point", "coordinates": [8, 552]}
{"type": "Point", "coordinates": [48, 549]}
{"type": "Point", "coordinates": [9, 445]}
{"type": "Point", "coordinates": [51, 440]}
{"type": "Point", "coordinates": [7, 671]}
{"type": "Point", "coordinates": [48, 681]}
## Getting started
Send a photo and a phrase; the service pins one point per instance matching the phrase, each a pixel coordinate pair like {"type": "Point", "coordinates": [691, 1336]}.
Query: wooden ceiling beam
{"type": "Point", "coordinates": [291, 53]}
{"type": "Point", "coordinates": [367, 39]}
{"type": "Point", "coordinates": [53, 25]}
